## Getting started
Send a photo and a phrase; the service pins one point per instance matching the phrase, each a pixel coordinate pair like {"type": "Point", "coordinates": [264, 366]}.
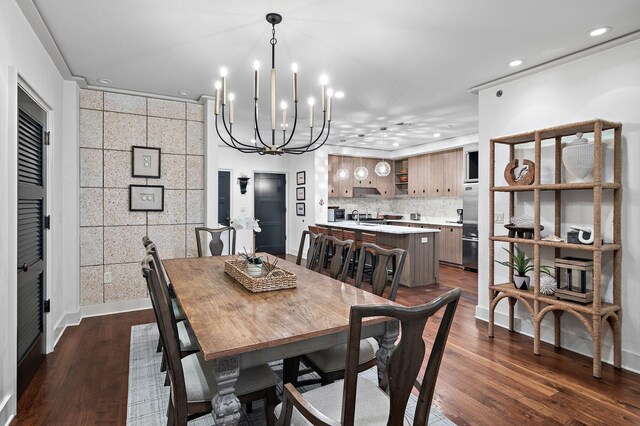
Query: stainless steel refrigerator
{"type": "Point", "coordinates": [470, 226]}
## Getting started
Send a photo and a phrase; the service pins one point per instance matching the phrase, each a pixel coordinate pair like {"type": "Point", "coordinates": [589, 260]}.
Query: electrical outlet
{"type": "Point", "coordinates": [425, 240]}
{"type": "Point", "coordinates": [108, 277]}
{"type": "Point", "coordinates": [499, 218]}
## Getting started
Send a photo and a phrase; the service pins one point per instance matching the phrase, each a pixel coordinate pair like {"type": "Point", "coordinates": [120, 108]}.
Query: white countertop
{"type": "Point", "coordinates": [429, 220]}
{"type": "Point", "coordinates": [387, 229]}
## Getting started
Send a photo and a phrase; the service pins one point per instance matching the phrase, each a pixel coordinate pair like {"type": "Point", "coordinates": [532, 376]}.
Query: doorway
{"type": "Point", "coordinates": [224, 198]}
{"type": "Point", "coordinates": [32, 223]}
{"type": "Point", "coordinates": [270, 207]}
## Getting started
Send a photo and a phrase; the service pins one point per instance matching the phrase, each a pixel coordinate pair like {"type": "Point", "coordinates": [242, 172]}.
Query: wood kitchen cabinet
{"type": "Point", "coordinates": [416, 175]}
{"type": "Point", "coordinates": [337, 187]}
{"type": "Point", "coordinates": [453, 173]}
{"type": "Point", "coordinates": [450, 247]}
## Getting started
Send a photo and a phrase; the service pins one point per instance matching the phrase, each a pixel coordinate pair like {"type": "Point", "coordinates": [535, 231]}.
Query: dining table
{"type": "Point", "coordinates": [236, 328]}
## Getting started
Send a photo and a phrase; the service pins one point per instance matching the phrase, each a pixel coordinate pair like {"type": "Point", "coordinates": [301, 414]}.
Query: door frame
{"type": "Point", "coordinates": [287, 200]}
{"type": "Point", "coordinates": [49, 162]}
{"type": "Point", "coordinates": [220, 169]}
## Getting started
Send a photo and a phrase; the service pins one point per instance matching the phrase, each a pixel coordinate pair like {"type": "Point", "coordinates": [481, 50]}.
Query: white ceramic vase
{"type": "Point", "coordinates": [521, 283]}
{"type": "Point", "coordinates": [254, 269]}
{"type": "Point", "coordinates": [577, 157]}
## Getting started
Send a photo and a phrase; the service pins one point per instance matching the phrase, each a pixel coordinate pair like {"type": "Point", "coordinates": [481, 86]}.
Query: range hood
{"type": "Point", "coordinates": [363, 192]}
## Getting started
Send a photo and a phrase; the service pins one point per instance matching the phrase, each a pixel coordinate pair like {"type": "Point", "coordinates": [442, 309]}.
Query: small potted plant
{"type": "Point", "coordinates": [254, 263]}
{"type": "Point", "coordinates": [521, 264]}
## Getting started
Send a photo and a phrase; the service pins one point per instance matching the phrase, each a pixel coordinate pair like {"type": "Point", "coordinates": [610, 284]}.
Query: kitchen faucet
{"type": "Point", "coordinates": [356, 214]}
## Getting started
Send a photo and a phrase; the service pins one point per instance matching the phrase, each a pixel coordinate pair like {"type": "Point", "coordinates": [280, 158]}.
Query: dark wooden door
{"type": "Point", "coordinates": [224, 198]}
{"type": "Point", "coordinates": [270, 208]}
{"type": "Point", "coordinates": [31, 247]}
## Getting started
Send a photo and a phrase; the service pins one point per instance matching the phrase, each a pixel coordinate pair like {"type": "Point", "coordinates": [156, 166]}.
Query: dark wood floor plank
{"type": "Point", "coordinates": [482, 381]}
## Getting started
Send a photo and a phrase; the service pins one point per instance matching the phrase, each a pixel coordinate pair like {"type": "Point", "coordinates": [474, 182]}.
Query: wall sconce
{"type": "Point", "coordinates": [243, 180]}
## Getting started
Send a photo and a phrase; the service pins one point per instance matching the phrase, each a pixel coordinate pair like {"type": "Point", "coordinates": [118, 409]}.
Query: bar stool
{"type": "Point", "coordinates": [338, 233]}
{"type": "Point", "coordinates": [373, 239]}
{"type": "Point", "coordinates": [351, 235]}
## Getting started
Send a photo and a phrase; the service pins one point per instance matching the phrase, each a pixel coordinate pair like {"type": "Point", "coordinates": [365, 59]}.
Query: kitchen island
{"type": "Point", "coordinates": [422, 261]}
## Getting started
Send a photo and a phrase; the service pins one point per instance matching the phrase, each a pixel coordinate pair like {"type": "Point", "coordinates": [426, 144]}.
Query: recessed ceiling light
{"type": "Point", "coordinates": [516, 63]}
{"type": "Point", "coordinates": [396, 144]}
{"type": "Point", "coordinates": [599, 31]}
{"type": "Point", "coordinates": [361, 135]}
{"type": "Point", "coordinates": [184, 92]}
{"type": "Point", "coordinates": [104, 81]}
{"type": "Point", "coordinates": [436, 135]}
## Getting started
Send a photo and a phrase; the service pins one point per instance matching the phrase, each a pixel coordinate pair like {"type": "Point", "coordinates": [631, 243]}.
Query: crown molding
{"type": "Point", "coordinates": [144, 94]}
{"type": "Point", "coordinates": [558, 61]}
{"type": "Point", "coordinates": [31, 13]}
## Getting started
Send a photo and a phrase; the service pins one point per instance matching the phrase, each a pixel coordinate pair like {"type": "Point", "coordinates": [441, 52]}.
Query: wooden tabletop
{"type": "Point", "coordinates": [229, 320]}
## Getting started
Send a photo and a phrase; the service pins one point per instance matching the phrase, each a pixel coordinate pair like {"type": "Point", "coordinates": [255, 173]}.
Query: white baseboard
{"type": "Point", "coordinates": [7, 410]}
{"type": "Point", "coordinates": [115, 307]}
{"type": "Point", "coordinates": [580, 343]}
{"type": "Point", "coordinates": [72, 318]}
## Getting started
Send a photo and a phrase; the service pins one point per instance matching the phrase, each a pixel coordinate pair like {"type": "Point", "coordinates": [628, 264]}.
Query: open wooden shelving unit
{"type": "Point", "coordinates": [592, 315]}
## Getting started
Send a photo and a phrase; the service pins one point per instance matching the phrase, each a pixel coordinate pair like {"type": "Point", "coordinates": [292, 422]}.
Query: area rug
{"type": "Point", "coordinates": [148, 397]}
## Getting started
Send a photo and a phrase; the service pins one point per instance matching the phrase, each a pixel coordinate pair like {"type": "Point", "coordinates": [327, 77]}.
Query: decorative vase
{"type": "Point", "coordinates": [521, 283]}
{"type": "Point", "coordinates": [254, 269]}
{"type": "Point", "coordinates": [577, 157]}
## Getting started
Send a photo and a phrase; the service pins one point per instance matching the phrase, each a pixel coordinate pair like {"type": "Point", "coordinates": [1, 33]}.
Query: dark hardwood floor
{"type": "Point", "coordinates": [482, 381]}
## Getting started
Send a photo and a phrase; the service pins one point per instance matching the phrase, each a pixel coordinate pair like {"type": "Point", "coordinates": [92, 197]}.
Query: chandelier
{"type": "Point", "coordinates": [277, 145]}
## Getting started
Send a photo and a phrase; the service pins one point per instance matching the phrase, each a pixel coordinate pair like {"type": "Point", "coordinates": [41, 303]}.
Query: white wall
{"type": "Point", "coordinates": [249, 164]}
{"type": "Point", "coordinates": [22, 56]}
{"type": "Point", "coordinates": [605, 85]}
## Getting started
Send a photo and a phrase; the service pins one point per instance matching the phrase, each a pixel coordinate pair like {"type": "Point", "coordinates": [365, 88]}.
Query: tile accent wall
{"type": "Point", "coordinates": [111, 235]}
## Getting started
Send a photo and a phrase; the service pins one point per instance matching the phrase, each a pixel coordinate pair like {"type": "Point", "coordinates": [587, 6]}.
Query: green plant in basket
{"type": "Point", "coordinates": [521, 264]}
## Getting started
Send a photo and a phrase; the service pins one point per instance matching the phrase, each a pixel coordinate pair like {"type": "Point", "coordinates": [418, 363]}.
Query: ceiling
{"type": "Point", "coordinates": [408, 61]}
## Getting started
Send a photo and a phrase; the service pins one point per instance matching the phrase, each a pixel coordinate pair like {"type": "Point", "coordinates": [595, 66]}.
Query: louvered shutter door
{"type": "Point", "coordinates": [30, 233]}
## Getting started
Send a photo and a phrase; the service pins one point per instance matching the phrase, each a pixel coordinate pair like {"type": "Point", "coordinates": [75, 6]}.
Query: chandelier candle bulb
{"type": "Point", "coordinates": [223, 73]}
{"type": "Point", "coordinates": [294, 68]}
{"type": "Point", "coordinates": [231, 99]}
{"type": "Point", "coordinates": [311, 102]}
{"type": "Point", "coordinates": [256, 80]}
{"type": "Point", "coordinates": [283, 105]}
{"type": "Point", "coordinates": [329, 96]}
{"type": "Point", "coordinates": [217, 106]}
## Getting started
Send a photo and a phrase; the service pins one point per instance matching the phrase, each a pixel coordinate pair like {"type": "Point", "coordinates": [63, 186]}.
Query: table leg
{"type": "Point", "coordinates": [387, 345]}
{"type": "Point", "coordinates": [290, 370]}
{"type": "Point", "coordinates": [225, 403]}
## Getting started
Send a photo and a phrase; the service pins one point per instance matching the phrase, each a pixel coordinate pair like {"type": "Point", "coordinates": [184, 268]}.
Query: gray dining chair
{"type": "Point", "coordinates": [357, 400]}
{"type": "Point", "coordinates": [192, 379]}
{"type": "Point", "coordinates": [313, 251]}
{"type": "Point", "coordinates": [330, 363]}
{"type": "Point", "coordinates": [216, 245]}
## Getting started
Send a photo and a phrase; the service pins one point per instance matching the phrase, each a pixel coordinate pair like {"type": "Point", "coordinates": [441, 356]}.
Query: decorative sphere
{"type": "Point", "coordinates": [383, 168]}
{"type": "Point", "coordinates": [360, 173]}
{"type": "Point", "coordinates": [342, 174]}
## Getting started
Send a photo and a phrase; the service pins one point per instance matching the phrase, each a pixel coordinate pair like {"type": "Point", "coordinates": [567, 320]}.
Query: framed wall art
{"type": "Point", "coordinates": [146, 198]}
{"type": "Point", "coordinates": [145, 162]}
{"type": "Point", "coordinates": [300, 210]}
{"type": "Point", "coordinates": [301, 178]}
{"type": "Point", "coordinates": [300, 193]}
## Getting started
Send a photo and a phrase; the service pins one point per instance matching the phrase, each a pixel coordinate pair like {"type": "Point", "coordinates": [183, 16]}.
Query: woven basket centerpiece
{"type": "Point", "coordinates": [277, 279]}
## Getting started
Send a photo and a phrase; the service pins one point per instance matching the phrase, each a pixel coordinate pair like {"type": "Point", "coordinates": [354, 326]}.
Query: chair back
{"type": "Point", "coordinates": [405, 361]}
{"type": "Point", "coordinates": [169, 336]}
{"type": "Point", "coordinates": [342, 253]}
{"type": "Point", "coordinates": [315, 243]}
{"type": "Point", "coordinates": [153, 251]}
{"type": "Point", "coordinates": [215, 245]}
{"type": "Point", "coordinates": [379, 276]}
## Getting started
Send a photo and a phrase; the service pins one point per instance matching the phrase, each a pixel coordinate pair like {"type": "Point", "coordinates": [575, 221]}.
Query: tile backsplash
{"type": "Point", "coordinates": [440, 207]}
{"type": "Point", "coordinates": [110, 234]}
